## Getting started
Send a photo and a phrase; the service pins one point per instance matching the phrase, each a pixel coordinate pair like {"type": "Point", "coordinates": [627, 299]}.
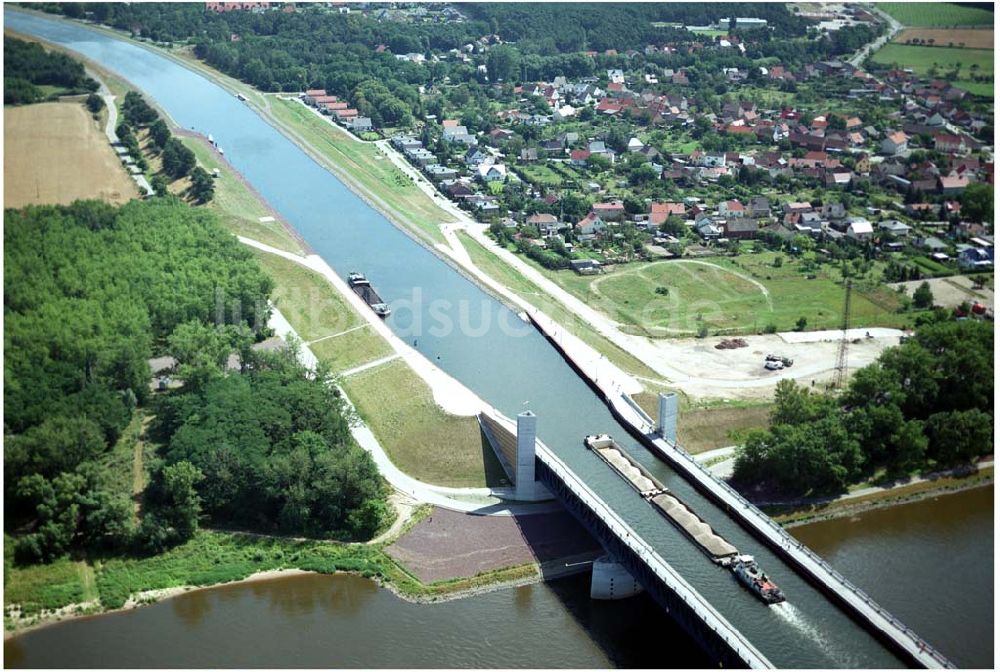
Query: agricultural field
{"type": "Point", "coordinates": [942, 60]}
{"type": "Point", "coordinates": [936, 14]}
{"type": "Point", "coordinates": [55, 153]}
{"type": "Point", "coordinates": [963, 38]}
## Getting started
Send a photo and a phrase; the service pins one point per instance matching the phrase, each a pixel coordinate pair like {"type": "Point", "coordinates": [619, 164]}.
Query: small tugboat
{"type": "Point", "coordinates": [359, 283]}
{"type": "Point", "coordinates": [749, 574]}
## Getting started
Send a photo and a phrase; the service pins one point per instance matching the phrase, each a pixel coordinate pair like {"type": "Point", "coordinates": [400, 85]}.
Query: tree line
{"type": "Point", "coordinates": [177, 160]}
{"type": "Point", "coordinates": [27, 67]}
{"type": "Point", "coordinates": [315, 48]}
{"type": "Point", "coordinates": [925, 403]}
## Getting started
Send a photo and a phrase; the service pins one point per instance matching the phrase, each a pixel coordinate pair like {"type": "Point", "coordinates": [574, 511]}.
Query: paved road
{"type": "Point", "coordinates": [865, 51]}
{"type": "Point", "coordinates": [109, 129]}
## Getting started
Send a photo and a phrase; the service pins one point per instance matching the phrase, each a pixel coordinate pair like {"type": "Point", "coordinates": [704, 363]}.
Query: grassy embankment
{"type": "Point", "coordinates": [239, 208]}
{"type": "Point", "coordinates": [365, 165]}
{"type": "Point", "coordinates": [943, 59]}
{"type": "Point", "coordinates": [421, 439]}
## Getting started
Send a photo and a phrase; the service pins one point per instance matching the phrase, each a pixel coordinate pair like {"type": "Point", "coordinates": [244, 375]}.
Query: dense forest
{"type": "Point", "coordinates": [27, 66]}
{"type": "Point", "coordinates": [312, 47]}
{"type": "Point", "coordinates": [926, 403]}
{"type": "Point", "coordinates": [91, 292]}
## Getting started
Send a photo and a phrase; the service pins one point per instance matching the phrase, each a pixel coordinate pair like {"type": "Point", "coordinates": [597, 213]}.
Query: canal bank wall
{"type": "Point", "coordinates": [878, 620]}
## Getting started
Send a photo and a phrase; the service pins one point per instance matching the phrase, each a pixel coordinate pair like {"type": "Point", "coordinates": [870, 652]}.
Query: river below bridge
{"type": "Point", "coordinates": [507, 366]}
{"type": "Point", "coordinates": [941, 545]}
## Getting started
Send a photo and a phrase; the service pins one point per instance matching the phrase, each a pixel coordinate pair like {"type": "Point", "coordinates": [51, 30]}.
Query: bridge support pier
{"type": "Point", "coordinates": [666, 423]}
{"type": "Point", "coordinates": [610, 580]}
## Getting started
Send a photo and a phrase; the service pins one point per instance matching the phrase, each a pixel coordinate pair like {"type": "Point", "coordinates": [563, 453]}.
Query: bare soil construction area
{"type": "Point", "coordinates": [55, 153]}
{"type": "Point", "coordinates": [969, 38]}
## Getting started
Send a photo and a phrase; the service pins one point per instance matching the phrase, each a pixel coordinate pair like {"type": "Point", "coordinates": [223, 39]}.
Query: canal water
{"type": "Point", "coordinates": [479, 342]}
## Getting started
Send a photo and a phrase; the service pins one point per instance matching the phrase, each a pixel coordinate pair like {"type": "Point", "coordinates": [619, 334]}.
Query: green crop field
{"type": "Point", "coordinates": [936, 14]}
{"type": "Point", "coordinates": [944, 59]}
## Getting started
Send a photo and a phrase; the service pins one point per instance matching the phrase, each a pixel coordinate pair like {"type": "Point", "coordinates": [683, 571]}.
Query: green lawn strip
{"type": "Point", "coordinates": [118, 463]}
{"type": "Point", "coordinates": [239, 208]}
{"type": "Point", "coordinates": [420, 438]}
{"type": "Point", "coordinates": [368, 166]}
{"type": "Point", "coordinates": [513, 280]}
{"type": "Point", "coordinates": [984, 89]}
{"type": "Point", "coordinates": [306, 299]}
{"type": "Point", "coordinates": [351, 349]}
{"type": "Point", "coordinates": [936, 14]}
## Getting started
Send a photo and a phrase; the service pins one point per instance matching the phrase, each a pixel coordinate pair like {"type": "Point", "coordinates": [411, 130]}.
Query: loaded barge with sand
{"type": "Point", "coordinates": [687, 521]}
{"type": "Point", "coordinates": [359, 283]}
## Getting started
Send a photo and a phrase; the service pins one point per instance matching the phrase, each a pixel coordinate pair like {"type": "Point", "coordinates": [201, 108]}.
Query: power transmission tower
{"type": "Point", "coordinates": [842, 351]}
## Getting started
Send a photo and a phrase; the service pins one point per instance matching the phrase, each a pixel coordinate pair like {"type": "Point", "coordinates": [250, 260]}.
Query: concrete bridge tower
{"type": "Point", "coordinates": [524, 468]}
{"type": "Point", "coordinates": [666, 423]}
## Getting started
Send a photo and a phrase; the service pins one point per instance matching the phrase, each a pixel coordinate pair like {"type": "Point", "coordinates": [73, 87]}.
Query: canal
{"type": "Point", "coordinates": [479, 342]}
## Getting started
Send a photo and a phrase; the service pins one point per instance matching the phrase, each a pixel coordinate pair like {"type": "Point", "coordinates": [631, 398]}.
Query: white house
{"type": "Point", "coordinates": [894, 144]}
{"type": "Point", "coordinates": [492, 173]}
{"type": "Point", "coordinates": [860, 229]}
{"type": "Point", "coordinates": [564, 112]}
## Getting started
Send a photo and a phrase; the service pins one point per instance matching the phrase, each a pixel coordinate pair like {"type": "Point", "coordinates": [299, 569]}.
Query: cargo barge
{"type": "Point", "coordinates": [681, 516]}
{"type": "Point", "coordinates": [359, 283]}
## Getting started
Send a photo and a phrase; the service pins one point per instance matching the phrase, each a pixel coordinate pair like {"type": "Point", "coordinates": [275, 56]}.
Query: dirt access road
{"type": "Point", "coordinates": [55, 153]}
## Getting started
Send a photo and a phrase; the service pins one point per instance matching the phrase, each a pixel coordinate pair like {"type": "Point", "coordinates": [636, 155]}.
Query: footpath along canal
{"type": "Point", "coordinates": [478, 341]}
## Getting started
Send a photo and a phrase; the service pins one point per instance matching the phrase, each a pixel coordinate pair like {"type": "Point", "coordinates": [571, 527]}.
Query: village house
{"type": "Point", "coordinates": [860, 229]}
{"type": "Point", "coordinates": [893, 144]}
{"type": "Point", "coordinates": [492, 172]}
{"type": "Point", "coordinates": [547, 225]}
{"type": "Point", "coordinates": [613, 211]}
{"type": "Point", "coordinates": [659, 212]}
{"type": "Point", "coordinates": [590, 227]}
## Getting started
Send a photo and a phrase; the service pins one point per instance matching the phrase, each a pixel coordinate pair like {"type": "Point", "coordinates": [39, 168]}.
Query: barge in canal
{"type": "Point", "coordinates": [359, 283]}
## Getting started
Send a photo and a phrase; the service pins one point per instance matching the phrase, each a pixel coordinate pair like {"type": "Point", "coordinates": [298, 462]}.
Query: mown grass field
{"type": "Point", "coordinates": [420, 438]}
{"type": "Point", "coordinates": [316, 311]}
{"type": "Point", "coordinates": [936, 14]}
{"type": "Point", "coordinates": [944, 59]}
{"type": "Point", "coordinates": [366, 164]}
{"type": "Point", "coordinates": [714, 294]}
{"type": "Point", "coordinates": [56, 153]}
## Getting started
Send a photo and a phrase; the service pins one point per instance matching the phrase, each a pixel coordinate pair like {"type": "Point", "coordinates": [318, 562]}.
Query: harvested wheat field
{"type": "Point", "coordinates": [54, 153]}
{"type": "Point", "coordinates": [967, 38]}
